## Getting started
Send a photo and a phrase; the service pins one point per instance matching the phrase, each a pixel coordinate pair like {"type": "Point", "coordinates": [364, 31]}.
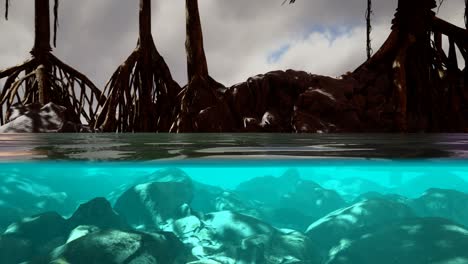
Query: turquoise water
{"type": "Point", "coordinates": [233, 199]}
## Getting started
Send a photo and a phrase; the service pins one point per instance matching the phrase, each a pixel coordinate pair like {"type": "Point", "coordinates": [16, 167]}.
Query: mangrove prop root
{"type": "Point", "coordinates": [140, 97]}
{"type": "Point", "coordinates": [141, 92]}
{"type": "Point", "coordinates": [50, 80]}
{"type": "Point", "coordinates": [201, 90]}
{"type": "Point", "coordinates": [423, 75]}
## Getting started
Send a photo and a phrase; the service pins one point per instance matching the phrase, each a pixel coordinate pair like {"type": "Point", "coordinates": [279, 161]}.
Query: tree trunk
{"type": "Point", "coordinates": [145, 123]}
{"type": "Point", "coordinates": [196, 59]}
{"type": "Point", "coordinates": [42, 47]}
{"type": "Point", "coordinates": [369, 28]}
{"type": "Point", "coordinates": [145, 24]}
{"type": "Point", "coordinates": [42, 28]}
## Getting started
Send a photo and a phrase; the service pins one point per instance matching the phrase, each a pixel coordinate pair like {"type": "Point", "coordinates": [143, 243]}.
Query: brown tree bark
{"type": "Point", "coordinates": [145, 45]}
{"type": "Point", "coordinates": [369, 29]}
{"type": "Point", "coordinates": [202, 96]}
{"type": "Point", "coordinates": [42, 28]}
{"type": "Point", "coordinates": [141, 90]}
{"type": "Point", "coordinates": [145, 38]}
{"type": "Point", "coordinates": [196, 59]}
{"type": "Point", "coordinates": [42, 47]}
{"type": "Point", "coordinates": [424, 78]}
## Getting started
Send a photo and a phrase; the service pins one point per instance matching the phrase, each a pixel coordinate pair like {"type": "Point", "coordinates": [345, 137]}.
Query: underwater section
{"type": "Point", "coordinates": [235, 211]}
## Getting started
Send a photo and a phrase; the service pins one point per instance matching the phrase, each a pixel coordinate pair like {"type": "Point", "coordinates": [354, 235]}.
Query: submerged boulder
{"type": "Point", "coordinates": [8, 215]}
{"type": "Point", "coordinates": [352, 187]}
{"type": "Point", "coordinates": [448, 204]}
{"type": "Point", "coordinates": [288, 201]}
{"type": "Point", "coordinates": [354, 221]}
{"type": "Point", "coordinates": [438, 178]}
{"type": "Point", "coordinates": [150, 205]}
{"type": "Point", "coordinates": [118, 247]}
{"type": "Point", "coordinates": [228, 237]}
{"type": "Point", "coordinates": [32, 237]}
{"type": "Point", "coordinates": [204, 197]}
{"type": "Point", "coordinates": [166, 175]}
{"type": "Point", "coordinates": [22, 196]}
{"type": "Point", "coordinates": [385, 196]}
{"type": "Point", "coordinates": [97, 212]}
{"type": "Point", "coordinates": [415, 241]}
{"type": "Point", "coordinates": [162, 175]}
{"type": "Point", "coordinates": [229, 201]}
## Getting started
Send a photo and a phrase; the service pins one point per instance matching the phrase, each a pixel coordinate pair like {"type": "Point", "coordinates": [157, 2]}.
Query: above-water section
{"type": "Point", "coordinates": [223, 208]}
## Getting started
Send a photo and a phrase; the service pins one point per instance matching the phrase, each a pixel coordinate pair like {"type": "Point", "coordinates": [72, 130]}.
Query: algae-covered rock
{"type": "Point", "coordinates": [97, 212]}
{"type": "Point", "coordinates": [228, 237]}
{"type": "Point", "coordinates": [119, 247]}
{"type": "Point", "coordinates": [352, 187]}
{"type": "Point", "coordinates": [438, 178]}
{"type": "Point", "coordinates": [22, 196]}
{"type": "Point", "coordinates": [32, 237]}
{"type": "Point", "coordinates": [415, 241]}
{"type": "Point", "coordinates": [355, 221]}
{"type": "Point", "coordinates": [152, 204]}
{"type": "Point", "coordinates": [288, 201]}
{"type": "Point", "coordinates": [448, 204]}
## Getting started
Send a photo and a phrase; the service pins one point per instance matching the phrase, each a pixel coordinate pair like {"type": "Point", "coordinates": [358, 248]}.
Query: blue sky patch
{"type": "Point", "coordinates": [276, 55]}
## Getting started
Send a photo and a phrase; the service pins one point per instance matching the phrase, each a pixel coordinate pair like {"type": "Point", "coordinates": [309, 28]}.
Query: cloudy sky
{"type": "Point", "coordinates": [242, 37]}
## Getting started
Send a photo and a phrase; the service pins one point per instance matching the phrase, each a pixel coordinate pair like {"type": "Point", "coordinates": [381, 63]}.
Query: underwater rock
{"type": "Point", "coordinates": [355, 221]}
{"type": "Point", "coordinates": [228, 237]}
{"type": "Point", "coordinates": [97, 212]}
{"type": "Point", "coordinates": [162, 175]}
{"type": "Point", "coordinates": [288, 201]}
{"type": "Point", "coordinates": [389, 197]}
{"type": "Point", "coordinates": [40, 118]}
{"type": "Point", "coordinates": [204, 197]}
{"type": "Point", "coordinates": [353, 187]}
{"type": "Point", "coordinates": [448, 204]}
{"type": "Point", "coordinates": [312, 200]}
{"type": "Point", "coordinates": [207, 198]}
{"type": "Point", "coordinates": [229, 201]}
{"type": "Point", "coordinates": [118, 247]}
{"type": "Point", "coordinates": [268, 189]}
{"type": "Point", "coordinates": [150, 205]}
{"type": "Point", "coordinates": [32, 237]}
{"type": "Point", "coordinates": [168, 175]}
{"type": "Point", "coordinates": [8, 215]}
{"type": "Point", "coordinates": [415, 241]}
{"type": "Point", "coordinates": [80, 231]}
{"type": "Point", "coordinates": [415, 187]}
{"type": "Point", "coordinates": [22, 196]}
